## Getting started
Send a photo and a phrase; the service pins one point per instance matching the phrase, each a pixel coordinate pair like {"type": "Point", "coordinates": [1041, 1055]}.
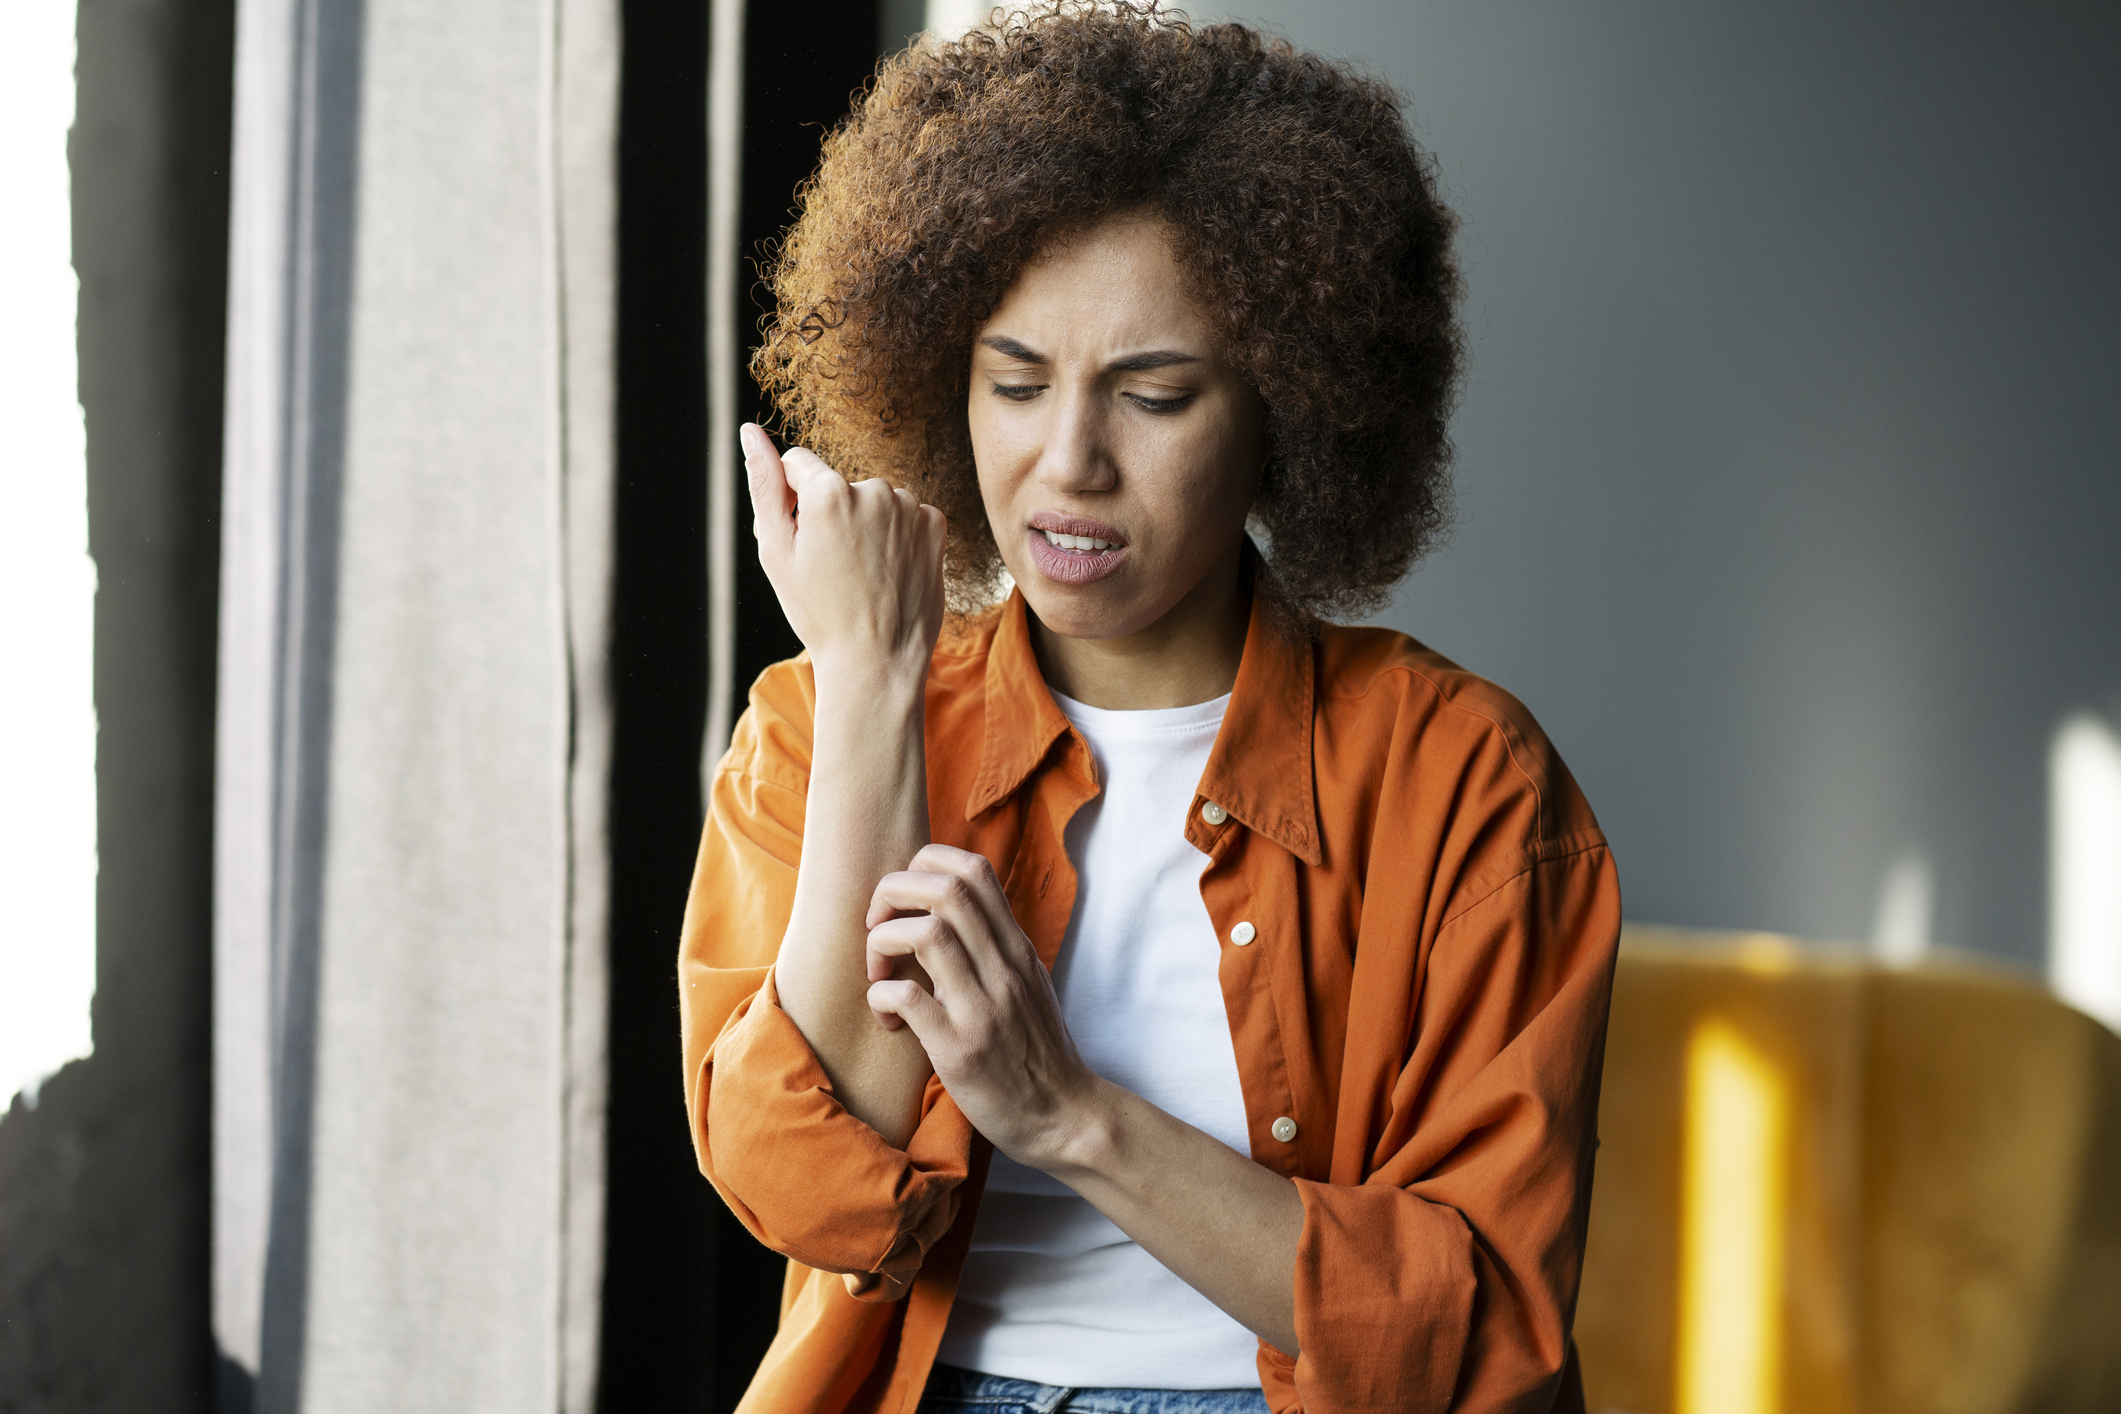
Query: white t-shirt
{"type": "Point", "coordinates": [1052, 1291]}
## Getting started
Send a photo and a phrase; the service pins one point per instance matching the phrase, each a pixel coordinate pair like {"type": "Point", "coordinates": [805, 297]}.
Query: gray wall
{"type": "Point", "coordinates": [103, 1186]}
{"type": "Point", "coordinates": [1790, 479]}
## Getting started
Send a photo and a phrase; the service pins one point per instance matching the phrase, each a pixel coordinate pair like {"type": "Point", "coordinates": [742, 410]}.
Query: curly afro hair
{"type": "Point", "coordinates": [1303, 212]}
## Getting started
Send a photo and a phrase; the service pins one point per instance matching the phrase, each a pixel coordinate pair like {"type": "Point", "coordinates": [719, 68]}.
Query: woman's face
{"type": "Point", "coordinates": [1118, 451]}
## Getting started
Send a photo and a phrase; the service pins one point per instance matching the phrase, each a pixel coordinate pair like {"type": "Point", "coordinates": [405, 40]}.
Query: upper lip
{"type": "Point", "coordinates": [1076, 525]}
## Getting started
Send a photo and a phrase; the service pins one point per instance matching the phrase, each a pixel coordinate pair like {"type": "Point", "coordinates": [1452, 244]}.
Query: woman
{"type": "Point", "coordinates": [1139, 995]}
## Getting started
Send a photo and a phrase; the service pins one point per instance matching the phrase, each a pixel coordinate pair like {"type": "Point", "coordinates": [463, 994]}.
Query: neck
{"type": "Point", "coordinates": [1190, 655]}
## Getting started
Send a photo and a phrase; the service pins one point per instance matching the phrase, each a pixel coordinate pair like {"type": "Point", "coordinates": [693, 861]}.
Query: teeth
{"type": "Point", "coordinates": [1075, 542]}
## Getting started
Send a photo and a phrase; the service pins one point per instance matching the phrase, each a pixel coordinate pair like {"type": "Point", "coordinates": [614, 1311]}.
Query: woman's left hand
{"type": "Point", "coordinates": [992, 1027]}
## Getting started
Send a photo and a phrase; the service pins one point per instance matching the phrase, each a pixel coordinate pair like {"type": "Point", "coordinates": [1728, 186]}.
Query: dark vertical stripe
{"type": "Point", "coordinates": [690, 1300]}
{"type": "Point", "coordinates": [657, 1340]}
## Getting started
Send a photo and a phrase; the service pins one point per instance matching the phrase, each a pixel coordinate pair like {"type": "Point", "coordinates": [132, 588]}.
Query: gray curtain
{"type": "Point", "coordinates": [414, 729]}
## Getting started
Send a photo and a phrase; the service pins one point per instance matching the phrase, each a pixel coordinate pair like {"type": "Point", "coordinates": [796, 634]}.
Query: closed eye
{"type": "Point", "coordinates": [1160, 405]}
{"type": "Point", "coordinates": [1018, 392]}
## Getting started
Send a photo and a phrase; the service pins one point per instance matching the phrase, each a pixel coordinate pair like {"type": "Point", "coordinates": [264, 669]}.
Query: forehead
{"type": "Point", "coordinates": [1113, 285]}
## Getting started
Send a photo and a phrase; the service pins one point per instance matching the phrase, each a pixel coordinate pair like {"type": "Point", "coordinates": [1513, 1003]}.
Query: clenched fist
{"type": "Point", "coordinates": [858, 567]}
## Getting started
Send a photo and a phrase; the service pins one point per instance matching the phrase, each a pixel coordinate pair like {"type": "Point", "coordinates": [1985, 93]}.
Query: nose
{"type": "Point", "coordinates": [1077, 456]}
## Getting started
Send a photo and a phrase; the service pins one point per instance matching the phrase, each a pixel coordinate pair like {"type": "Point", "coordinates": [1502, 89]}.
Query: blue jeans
{"type": "Point", "coordinates": [954, 1391]}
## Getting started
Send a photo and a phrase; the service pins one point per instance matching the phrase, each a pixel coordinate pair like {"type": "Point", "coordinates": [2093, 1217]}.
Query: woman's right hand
{"type": "Point", "coordinates": [858, 566]}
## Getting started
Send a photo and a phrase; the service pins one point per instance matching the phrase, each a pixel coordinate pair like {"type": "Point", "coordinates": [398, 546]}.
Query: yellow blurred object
{"type": "Point", "coordinates": [1830, 1187]}
{"type": "Point", "coordinates": [1730, 1226]}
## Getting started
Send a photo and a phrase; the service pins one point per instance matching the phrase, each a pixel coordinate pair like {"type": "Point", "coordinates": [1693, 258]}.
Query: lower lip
{"type": "Point", "coordinates": [1073, 566]}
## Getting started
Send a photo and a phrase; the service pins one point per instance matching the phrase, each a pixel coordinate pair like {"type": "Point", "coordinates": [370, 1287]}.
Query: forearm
{"type": "Point", "coordinates": [866, 815]}
{"type": "Point", "coordinates": [1225, 1225]}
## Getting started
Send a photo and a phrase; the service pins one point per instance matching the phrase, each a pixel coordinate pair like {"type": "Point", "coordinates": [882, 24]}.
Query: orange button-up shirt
{"type": "Point", "coordinates": [1419, 1017]}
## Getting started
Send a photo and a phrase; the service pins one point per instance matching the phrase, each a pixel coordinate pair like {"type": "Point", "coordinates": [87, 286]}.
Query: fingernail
{"type": "Point", "coordinates": [747, 436]}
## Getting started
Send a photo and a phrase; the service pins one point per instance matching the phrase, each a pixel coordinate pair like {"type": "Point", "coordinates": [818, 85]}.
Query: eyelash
{"type": "Point", "coordinates": [1024, 393]}
{"type": "Point", "coordinates": [1159, 405]}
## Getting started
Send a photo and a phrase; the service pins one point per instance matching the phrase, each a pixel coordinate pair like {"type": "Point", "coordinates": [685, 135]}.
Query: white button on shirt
{"type": "Point", "coordinates": [1243, 933]}
{"type": "Point", "coordinates": [1214, 814]}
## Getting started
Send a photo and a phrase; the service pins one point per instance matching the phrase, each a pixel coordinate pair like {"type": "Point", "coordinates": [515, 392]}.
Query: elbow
{"type": "Point", "coordinates": [810, 1180]}
{"type": "Point", "coordinates": [851, 1230]}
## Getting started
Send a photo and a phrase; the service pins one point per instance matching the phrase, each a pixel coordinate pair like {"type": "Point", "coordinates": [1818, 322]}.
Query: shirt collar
{"type": "Point", "coordinates": [1022, 720]}
{"type": "Point", "coordinates": [1260, 770]}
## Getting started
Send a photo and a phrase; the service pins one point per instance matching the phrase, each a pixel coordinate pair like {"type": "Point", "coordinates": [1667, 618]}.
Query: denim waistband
{"type": "Point", "coordinates": [954, 1391]}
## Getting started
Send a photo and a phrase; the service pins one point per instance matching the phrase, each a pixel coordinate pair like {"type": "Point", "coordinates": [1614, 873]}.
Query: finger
{"type": "Point", "coordinates": [934, 534]}
{"type": "Point", "coordinates": [928, 940]}
{"type": "Point", "coordinates": [880, 497]}
{"type": "Point", "coordinates": [947, 897]}
{"type": "Point", "coordinates": [810, 478]}
{"type": "Point", "coordinates": [976, 876]}
{"type": "Point", "coordinates": [898, 885]}
{"type": "Point", "coordinates": [895, 1003]}
{"type": "Point", "coordinates": [772, 500]}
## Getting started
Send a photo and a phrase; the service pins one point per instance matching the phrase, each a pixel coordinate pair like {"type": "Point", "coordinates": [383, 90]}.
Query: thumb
{"type": "Point", "coordinates": [772, 499]}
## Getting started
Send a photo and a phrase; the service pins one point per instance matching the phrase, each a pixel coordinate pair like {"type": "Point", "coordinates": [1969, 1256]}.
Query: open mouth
{"type": "Point", "coordinates": [1076, 542]}
{"type": "Point", "coordinates": [1072, 550]}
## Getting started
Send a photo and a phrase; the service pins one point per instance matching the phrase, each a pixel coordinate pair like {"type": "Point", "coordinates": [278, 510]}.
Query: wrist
{"type": "Point", "coordinates": [866, 676]}
{"type": "Point", "coordinates": [1084, 1137]}
{"type": "Point", "coordinates": [869, 712]}
{"type": "Point", "coordinates": [860, 698]}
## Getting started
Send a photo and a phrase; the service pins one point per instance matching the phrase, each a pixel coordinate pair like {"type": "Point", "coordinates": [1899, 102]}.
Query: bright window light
{"type": "Point", "coordinates": [2084, 868]}
{"type": "Point", "coordinates": [47, 581]}
{"type": "Point", "coordinates": [951, 18]}
{"type": "Point", "coordinates": [1732, 1201]}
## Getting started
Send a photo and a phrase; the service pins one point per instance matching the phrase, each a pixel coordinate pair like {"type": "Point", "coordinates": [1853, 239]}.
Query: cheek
{"type": "Point", "coordinates": [1222, 475]}
{"type": "Point", "coordinates": [991, 465]}
{"type": "Point", "coordinates": [1004, 450]}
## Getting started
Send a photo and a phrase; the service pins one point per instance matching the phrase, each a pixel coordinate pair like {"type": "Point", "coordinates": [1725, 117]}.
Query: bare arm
{"type": "Point", "coordinates": [1227, 1226]}
{"type": "Point", "coordinates": [858, 569]}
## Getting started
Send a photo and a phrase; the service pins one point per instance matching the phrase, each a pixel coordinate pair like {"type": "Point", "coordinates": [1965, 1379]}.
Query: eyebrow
{"type": "Point", "coordinates": [1132, 363]}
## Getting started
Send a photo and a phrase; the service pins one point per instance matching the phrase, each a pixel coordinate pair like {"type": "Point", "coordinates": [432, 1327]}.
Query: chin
{"type": "Point", "coordinates": [1084, 612]}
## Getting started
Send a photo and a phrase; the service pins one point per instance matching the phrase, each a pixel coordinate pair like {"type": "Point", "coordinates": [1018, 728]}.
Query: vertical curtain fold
{"type": "Point", "coordinates": [414, 736]}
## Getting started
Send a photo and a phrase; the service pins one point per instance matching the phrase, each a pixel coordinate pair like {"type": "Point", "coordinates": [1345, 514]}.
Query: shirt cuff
{"type": "Point", "coordinates": [809, 1179]}
{"type": "Point", "coordinates": [1385, 1285]}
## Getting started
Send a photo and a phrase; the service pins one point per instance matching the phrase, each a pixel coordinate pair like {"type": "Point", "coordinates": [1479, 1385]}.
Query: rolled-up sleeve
{"type": "Point", "coordinates": [807, 1178]}
{"type": "Point", "coordinates": [1446, 1279]}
